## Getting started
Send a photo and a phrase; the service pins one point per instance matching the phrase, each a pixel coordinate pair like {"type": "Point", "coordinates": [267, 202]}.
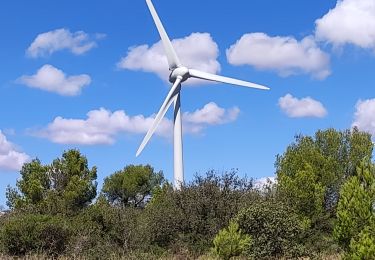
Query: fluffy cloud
{"type": "Point", "coordinates": [198, 51]}
{"type": "Point", "coordinates": [101, 126]}
{"type": "Point", "coordinates": [10, 158]}
{"type": "Point", "coordinates": [350, 22]}
{"type": "Point", "coordinates": [364, 117]}
{"type": "Point", "coordinates": [305, 107]}
{"type": "Point", "coordinates": [62, 39]}
{"type": "Point", "coordinates": [285, 55]}
{"type": "Point", "coordinates": [210, 114]}
{"type": "Point", "coordinates": [52, 79]}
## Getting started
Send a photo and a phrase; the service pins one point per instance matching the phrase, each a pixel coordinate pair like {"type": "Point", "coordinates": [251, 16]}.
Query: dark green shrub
{"type": "Point", "coordinates": [102, 229]}
{"type": "Point", "coordinates": [275, 229]}
{"type": "Point", "coordinates": [190, 218]}
{"type": "Point", "coordinates": [24, 234]}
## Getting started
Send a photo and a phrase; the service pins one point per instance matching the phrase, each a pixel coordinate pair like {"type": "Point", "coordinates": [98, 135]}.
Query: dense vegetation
{"type": "Point", "coordinates": [323, 205]}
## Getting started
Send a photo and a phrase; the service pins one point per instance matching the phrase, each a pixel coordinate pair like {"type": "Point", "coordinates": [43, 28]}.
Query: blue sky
{"type": "Point", "coordinates": [87, 75]}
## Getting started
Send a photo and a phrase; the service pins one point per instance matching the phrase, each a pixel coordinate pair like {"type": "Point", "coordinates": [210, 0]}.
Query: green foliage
{"type": "Point", "coordinates": [132, 185]}
{"type": "Point", "coordinates": [356, 206]}
{"type": "Point", "coordinates": [33, 185]}
{"type": "Point", "coordinates": [101, 229]}
{"type": "Point", "coordinates": [231, 242]}
{"type": "Point", "coordinates": [65, 186]}
{"type": "Point", "coordinates": [363, 246]}
{"type": "Point", "coordinates": [30, 233]}
{"type": "Point", "coordinates": [312, 170]}
{"type": "Point", "coordinates": [191, 217]}
{"type": "Point", "coordinates": [139, 216]}
{"type": "Point", "coordinates": [304, 191]}
{"type": "Point", "coordinates": [276, 230]}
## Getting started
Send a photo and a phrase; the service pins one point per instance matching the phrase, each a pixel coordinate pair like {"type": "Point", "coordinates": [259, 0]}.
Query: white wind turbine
{"type": "Point", "coordinates": [179, 74]}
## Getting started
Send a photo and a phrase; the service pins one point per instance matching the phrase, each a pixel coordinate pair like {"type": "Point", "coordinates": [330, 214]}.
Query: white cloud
{"type": "Point", "coordinates": [261, 183]}
{"type": "Point", "coordinates": [101, 126]}
{"type": "Point", "coordinates": [52, 79]}
{"type": "Point", "coordinates": [10, 158]}
{"type": "Point", "coordinates": [350, 22]}
{"type": "Point", "coordinates": [364, 117]}
{"type": "Point", "coordinates": [305, 107]}
{"type": "Point", "coordinates": [285, 55]}
{"type": "Point", "coordinates": [198, 51]}
{"type": "Point", "coordinates": [210, 114]}
{"type": "Point", "coordinates": [49, 42]}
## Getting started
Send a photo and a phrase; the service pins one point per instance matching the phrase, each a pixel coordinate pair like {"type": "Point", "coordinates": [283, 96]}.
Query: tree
{"type": "Point", "coordinates": [65, 186]}
{"type": "Point", "coordinates": [312, 169]}
{"type": "Point", "coordinates": [132, 185]}
{"type": "Point", "coordinates": [33, 185]}
{"type": "Point", "coordinates": [230, 242]}
{"type": "Point", "coordinates": [363, 246]}
{"type": "Point", "coordinates": [355, 209]}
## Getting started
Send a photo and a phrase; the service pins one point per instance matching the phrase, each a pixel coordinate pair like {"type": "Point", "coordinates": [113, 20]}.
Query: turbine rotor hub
{"type": "Point", "coordinates": [182, 72]}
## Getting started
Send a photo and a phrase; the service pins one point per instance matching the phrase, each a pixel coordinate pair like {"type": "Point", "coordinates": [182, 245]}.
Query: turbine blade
{"type": "Point", "coordinates": [212, 77]}
{"type": "Point", "coordinates": [173, 60]}
{"type": "Point", "coordinates": [163, 109]}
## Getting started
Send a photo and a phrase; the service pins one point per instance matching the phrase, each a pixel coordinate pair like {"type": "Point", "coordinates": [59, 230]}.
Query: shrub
{"type": "Point", "coordinates": [231, 242]}
{"type": "Point", "coordinates": [101, 230]}
{"type": "Point", "coordinates": [275, 229]}
{"type": "Point", "coordinates": [364, 246]}
{"type": "Point", "coordinates": [30, 233]}
{"type": "Point", "coordinates": [190, 218]}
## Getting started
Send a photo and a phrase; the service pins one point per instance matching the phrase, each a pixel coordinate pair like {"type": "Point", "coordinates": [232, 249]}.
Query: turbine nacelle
{"type": "Point", "coordinates": [181, 72]}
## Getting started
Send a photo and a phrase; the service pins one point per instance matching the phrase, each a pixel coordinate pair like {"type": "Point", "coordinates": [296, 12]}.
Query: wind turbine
{"type": "Point", "coordinates": [179, 74]}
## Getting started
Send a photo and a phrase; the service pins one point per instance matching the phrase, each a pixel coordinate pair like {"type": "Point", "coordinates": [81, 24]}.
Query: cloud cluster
{"type": "Point", "coordinates": [350, 22]}
{"type": "Point", "coordinates": [285, 55]}
{"type": "Point", "coordinates": [10, 158]}
{"type": "Point", "coordinates": [198, 51]}
{"type": "Point", "coordinates": [101, 126]}
{"type": "Point", "coordinates": [52, 79]}
{"type": "Point", "coordinates": [364, 117]}
{"type": "Point", "coordinates": [62, 39]}
{"type": "Point", "coordinates": [305, 107]}
{"type": "Point", "coordinates": [210, 114]}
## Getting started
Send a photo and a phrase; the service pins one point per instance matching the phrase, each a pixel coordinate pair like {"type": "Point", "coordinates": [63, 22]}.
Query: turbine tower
{"type": "Point", "coordinates": [179, 74]}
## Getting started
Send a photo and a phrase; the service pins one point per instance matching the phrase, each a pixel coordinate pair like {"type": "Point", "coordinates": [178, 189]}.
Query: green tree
{"type": "Point", "coordinates": [132, 185]}
{"type": "Point", "coordinates": [33, 185]}
{"type": "Point", "coordinates": [355, 209]}
{"type": "Point", "coordinates": [231, 242]}
{"type": "Point", "coordinates": [312, 169]}
{"type": "Point", "coordinates": [363, 246]}
{"type": "Point", "coordinates": [66, 185]}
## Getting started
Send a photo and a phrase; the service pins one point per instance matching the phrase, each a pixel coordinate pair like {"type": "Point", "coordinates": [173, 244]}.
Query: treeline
{"type": "Point", "coordinates": [323, 205]}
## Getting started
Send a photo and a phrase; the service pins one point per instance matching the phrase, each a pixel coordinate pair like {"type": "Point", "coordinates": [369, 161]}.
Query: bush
{"type": "Point", "coordinates": [364, 246]}
{"type": "Point", "coordinates": [102, 230]}
{"type": "Point", "coordinates": [190, 218]}
{"type": "Point", "coordinates": [275, 229]}
{"type": "Point", "coordinates": [30, 233]}
{"type": "Point", "coordinates": [231, 242]}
